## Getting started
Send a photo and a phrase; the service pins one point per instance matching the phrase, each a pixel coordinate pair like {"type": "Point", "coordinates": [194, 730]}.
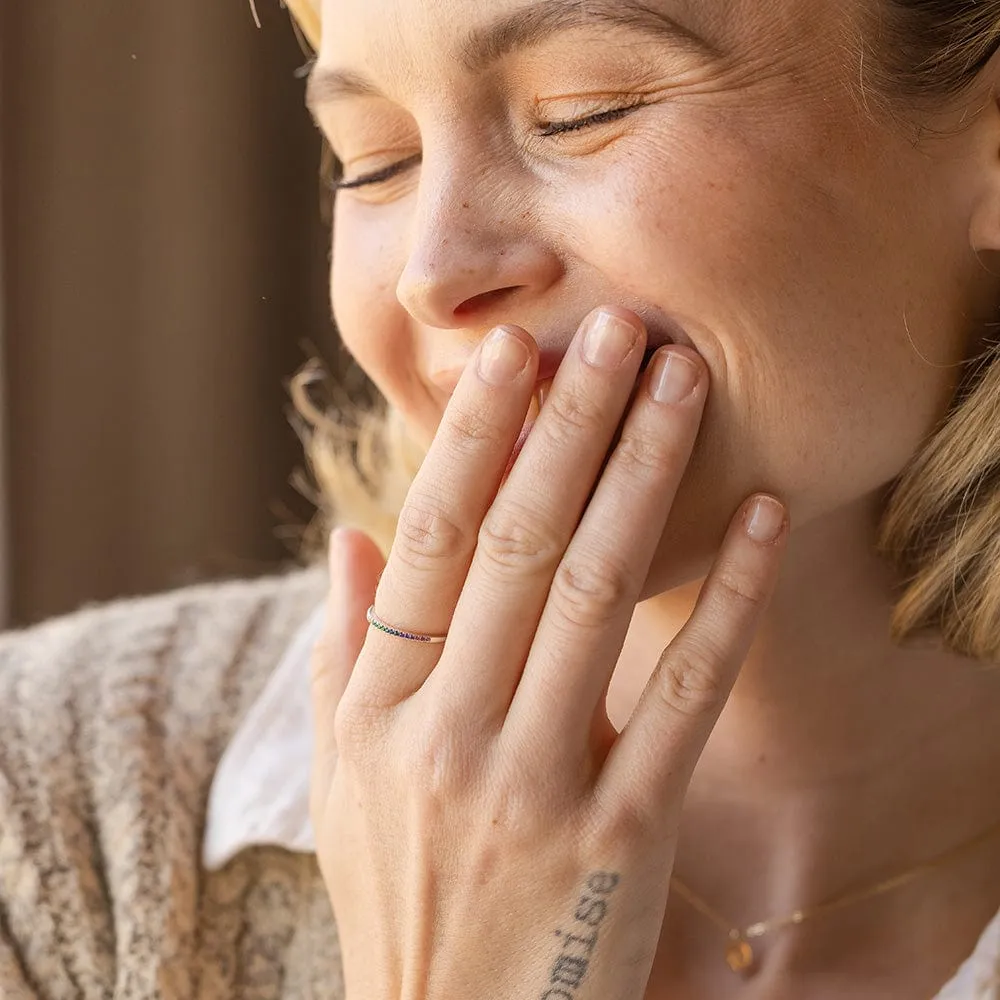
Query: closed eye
{"type": "Point", "coordinates": [380, 176]}
{"type": "Point", "coordinates": [547, 129]}
{"type": "Point", "coordinates": [589, 121]}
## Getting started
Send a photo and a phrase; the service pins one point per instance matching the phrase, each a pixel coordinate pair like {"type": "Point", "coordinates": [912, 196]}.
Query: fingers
{"type": "Point", "coordinates": [355, 564]}
{"type": "Point", "coordinates": [652, 761]}
{"type": "Point", "coordinates": [531, 522]}
{"type": "Point", "coordinates": [600, 577]}
{"type": "Point", "coordinates": [438, 525]}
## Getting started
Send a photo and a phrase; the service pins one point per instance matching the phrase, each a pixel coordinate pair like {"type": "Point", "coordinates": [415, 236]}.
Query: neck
{"type": "Point", "coordinates": [839, 757]}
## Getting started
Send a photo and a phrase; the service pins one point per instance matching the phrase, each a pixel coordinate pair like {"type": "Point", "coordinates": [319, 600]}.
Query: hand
{"type": "Point", "coordinates": [482, 829]}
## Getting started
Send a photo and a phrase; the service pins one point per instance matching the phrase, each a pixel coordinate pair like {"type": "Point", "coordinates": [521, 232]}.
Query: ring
{"type": "Point", "coordinates": [373, 619]}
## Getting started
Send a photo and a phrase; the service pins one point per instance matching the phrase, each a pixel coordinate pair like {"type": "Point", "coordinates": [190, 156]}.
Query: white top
{"type": "Point", "coordinates": [260, 794]}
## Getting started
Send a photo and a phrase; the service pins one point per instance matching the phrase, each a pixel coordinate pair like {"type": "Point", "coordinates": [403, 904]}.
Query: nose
{"type": "Point", "coordinates": [476, 248]}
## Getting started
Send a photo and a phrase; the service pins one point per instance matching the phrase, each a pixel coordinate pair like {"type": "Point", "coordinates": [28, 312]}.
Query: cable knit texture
{"type": "Point", "coordinates": [112, 721]}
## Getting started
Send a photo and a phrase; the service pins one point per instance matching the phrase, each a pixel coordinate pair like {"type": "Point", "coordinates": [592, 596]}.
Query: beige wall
{"type": "Point", "coordinates": [164, 272]}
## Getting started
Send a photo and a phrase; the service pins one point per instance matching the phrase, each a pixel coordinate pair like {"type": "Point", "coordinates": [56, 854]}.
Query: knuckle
{"type": "Point", "coordinates": [690, 684]}
{"type": "Point", "coordinates": [572, 414]}
{"type": "Point", "coordinates": [521, 799]}
{"type": "Point", "coordinates": [425, 536]}
{"type": "Point", "coordinates": [512, 810]}
{"type": "Point", "coordinates": [628, 816]}
{"type": "Point", "coordinates": [644, 456]}
{"type": "Point", "coordinates": [437, 757]}
{"type": "Point", "coordinates": [471, 431]}
{"type": "Point", "coordinates": [624, 821]}
{"type": "Point", "coordinates": [739, 588]}
{"type": "Point", "coordinates": [589, 591]}
{"type": "Point", "coordinates": [512, 539]}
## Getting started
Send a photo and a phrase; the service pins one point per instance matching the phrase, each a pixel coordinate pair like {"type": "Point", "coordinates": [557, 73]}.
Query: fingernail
{"type": "Point", "coordinates": [673, 377]}
{"type": "Point", "coordinates": [764, 520]}
{"type": "Point", "coordinates": [608, 340]}
{"type": "Point", "coordinates": [503, 357]}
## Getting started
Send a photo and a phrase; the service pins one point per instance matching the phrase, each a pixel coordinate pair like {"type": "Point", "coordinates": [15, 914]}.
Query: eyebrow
{"type": "Point", "coordinates": [520, 29]}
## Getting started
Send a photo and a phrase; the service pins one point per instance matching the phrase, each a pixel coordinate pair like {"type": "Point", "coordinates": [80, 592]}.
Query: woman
{"type": "Point", "coordinates": [535, 771]}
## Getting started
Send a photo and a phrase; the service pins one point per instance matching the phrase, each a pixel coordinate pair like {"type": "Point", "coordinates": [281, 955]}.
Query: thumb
{"type": "Point", "coordinates": [356, 564]}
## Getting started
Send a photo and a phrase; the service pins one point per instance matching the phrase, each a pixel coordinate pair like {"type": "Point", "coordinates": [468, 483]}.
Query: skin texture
{"type": "Point", "coordinates": [832, 272]}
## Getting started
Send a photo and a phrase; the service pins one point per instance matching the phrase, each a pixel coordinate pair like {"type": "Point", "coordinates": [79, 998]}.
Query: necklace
{"type": "Point", "coordinates": [739, 952]}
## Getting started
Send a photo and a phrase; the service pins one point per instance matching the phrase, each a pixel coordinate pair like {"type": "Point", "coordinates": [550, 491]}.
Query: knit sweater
{"type": "Point", "coordinates": [112, 722]}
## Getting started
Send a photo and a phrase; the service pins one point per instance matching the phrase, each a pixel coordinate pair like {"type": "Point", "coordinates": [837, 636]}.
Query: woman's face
{"type": "Point", "coordinates": [710, 165]}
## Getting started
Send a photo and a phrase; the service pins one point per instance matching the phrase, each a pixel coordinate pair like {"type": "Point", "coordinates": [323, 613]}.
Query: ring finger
{"type": "Point", "coordinates": [444, 507]}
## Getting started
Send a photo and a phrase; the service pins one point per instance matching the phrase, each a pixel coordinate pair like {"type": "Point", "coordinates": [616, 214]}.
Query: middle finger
{"type": "Point", "coordinates": [527, 529]}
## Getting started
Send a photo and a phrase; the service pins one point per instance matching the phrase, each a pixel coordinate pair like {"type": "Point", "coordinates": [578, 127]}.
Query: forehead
{"type": "Point", "coordinates": [405, 37]}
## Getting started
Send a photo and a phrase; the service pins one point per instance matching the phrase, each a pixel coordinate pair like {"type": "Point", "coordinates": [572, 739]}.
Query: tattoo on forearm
{"type": "Point", "coordinates": [570, 967]}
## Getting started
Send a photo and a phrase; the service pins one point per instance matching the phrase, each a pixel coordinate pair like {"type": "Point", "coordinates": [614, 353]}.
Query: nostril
{"type": "Point", "coordinates": [484, 300]}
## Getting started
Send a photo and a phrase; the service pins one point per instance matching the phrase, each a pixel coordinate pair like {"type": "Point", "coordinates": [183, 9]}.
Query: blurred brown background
{"type": "Point", "coordinates": [162, 273]}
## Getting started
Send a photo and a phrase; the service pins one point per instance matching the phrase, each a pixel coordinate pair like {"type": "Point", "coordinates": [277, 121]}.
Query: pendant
{"type": "Point", "coordinates": [739, 954]}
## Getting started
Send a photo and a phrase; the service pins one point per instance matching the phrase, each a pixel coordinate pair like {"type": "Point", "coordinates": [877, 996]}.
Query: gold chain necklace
{"type": "Point", "coordinates": [739, 953]}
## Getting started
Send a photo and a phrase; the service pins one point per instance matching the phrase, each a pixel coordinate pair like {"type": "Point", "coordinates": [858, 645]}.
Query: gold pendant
{"type": "Point", "coordinates": [739, 955]}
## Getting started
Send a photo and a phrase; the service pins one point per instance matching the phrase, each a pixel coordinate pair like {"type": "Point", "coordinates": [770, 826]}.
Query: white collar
{"type": "Point", "coordinates": [260, 791]}
{"type": "Point", "coordinates": [260, 794]}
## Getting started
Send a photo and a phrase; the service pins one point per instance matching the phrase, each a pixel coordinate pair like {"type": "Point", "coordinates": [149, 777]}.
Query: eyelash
{"type": "Point", "coordinates": [548, 130]}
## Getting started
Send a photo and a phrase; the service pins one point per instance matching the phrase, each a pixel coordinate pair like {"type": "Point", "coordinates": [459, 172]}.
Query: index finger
{"type": "Point", "coordinates": [439, 523]}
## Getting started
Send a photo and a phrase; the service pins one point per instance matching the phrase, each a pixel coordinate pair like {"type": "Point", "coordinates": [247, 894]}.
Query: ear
{"type": "Point", "coordinates": [984, 174]}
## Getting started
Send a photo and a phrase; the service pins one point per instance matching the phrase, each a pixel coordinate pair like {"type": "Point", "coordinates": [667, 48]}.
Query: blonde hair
{"type": "Point", "coordinates": [940, 527]}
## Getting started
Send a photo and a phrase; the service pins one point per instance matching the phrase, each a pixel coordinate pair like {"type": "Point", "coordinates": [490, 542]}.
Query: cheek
{"type": "Point", "coordinates": [362, 286]}
{"type": "Point", "coordinates": [363, 296]}
{"type": "Point", "coordinates": [794, 294]}
{"type": "Point", "coordinates": [367, 259]}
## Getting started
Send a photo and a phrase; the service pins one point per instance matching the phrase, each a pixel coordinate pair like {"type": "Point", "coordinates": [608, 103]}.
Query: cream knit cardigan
{"type": "Point", "coordinates": [112, 721]}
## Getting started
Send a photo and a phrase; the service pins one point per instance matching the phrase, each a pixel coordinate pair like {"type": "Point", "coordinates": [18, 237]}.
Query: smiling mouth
{"type": "Point", "coordinates": [542, 390]}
